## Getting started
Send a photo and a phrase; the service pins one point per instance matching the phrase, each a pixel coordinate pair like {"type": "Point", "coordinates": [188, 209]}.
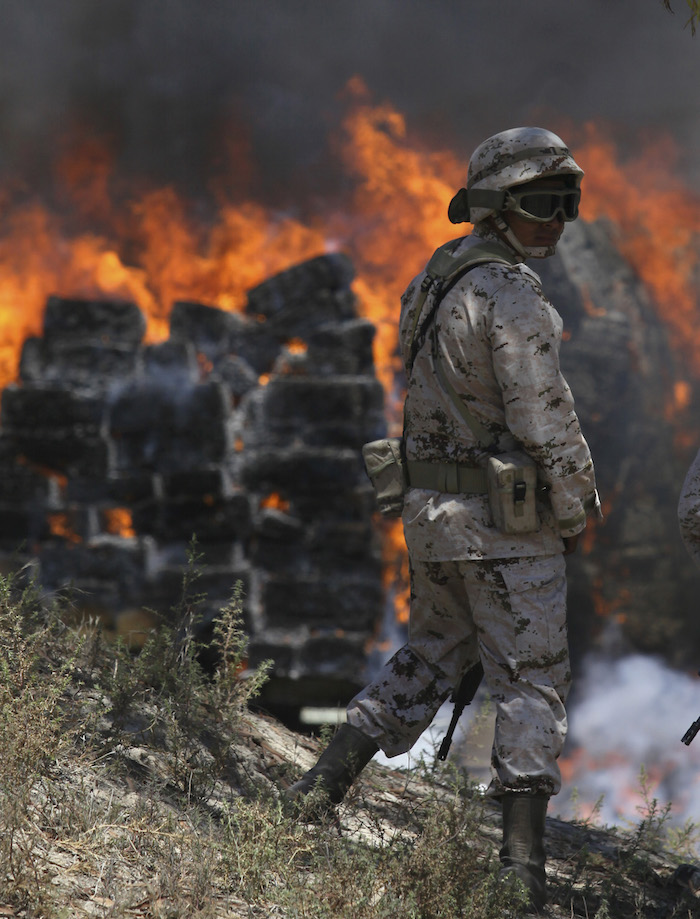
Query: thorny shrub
{"type": "Point", "coordinates": [432, 868]}
{"type": "Point", "coordinates": [73, 708]}
{"type": "Point", "coordinates": [68, 696]}
{"type": "Point", "coordinates": [36, 663]}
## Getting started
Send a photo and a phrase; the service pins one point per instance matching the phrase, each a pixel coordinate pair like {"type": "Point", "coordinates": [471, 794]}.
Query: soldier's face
{"type": "Point", "coordinates": [535, 233]}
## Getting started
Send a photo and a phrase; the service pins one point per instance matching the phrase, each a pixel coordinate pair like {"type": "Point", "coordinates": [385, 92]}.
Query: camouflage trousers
{"type": "Point", "coordinates": [512, 614]}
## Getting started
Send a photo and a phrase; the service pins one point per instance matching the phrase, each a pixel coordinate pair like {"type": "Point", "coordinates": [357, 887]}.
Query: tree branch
{"type": "Point", "coordinates": [693, 6]}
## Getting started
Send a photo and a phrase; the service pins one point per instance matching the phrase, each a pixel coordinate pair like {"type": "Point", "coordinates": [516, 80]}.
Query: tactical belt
{"type": "Point", "coordinates": [451, 478]}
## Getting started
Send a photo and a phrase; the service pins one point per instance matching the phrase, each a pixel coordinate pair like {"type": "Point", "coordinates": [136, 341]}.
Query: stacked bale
{"type": "Point", "coordinates": [242, 430]}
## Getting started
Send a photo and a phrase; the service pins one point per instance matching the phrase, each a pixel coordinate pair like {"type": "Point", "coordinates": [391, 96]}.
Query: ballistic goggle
{"type": "Point", "coordinates": [544, 205]}
{"type": "Point", "coordinates": [539, 205]}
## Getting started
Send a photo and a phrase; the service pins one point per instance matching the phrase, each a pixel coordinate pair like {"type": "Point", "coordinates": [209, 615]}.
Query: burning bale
{"type": "Point", "coordinates": [632, 576]}
{"type": "Point", "coordinates": [241, 429]}
{"type": "Point", "coordinates": [245, 429]}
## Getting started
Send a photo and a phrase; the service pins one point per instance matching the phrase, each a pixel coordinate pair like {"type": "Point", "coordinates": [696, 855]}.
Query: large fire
{"type": "Point", "coordinates": [657, 223]}
{"type": "Point", "coordinates": [102, 238]}
{"type": "Point", "coordinates": [147, 245]}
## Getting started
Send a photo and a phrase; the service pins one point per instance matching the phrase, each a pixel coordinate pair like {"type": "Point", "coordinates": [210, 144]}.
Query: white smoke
{"type": "Point", "coordinates": [630, 715]}
{"type": "Point", "coordinates": [426, 747]}
{"type": "Point", "coordinates": [623, 750]}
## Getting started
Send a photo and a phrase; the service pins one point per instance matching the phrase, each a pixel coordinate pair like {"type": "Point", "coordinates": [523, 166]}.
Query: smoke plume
{"type": "Point", "coordinates": [175, 84]}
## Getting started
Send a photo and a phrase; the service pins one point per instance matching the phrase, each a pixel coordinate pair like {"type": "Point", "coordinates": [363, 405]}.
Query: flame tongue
{"type": "Point", "coordinates": [151, 249]}
{"type": "Point", "coordinates": [118, 522]}
{"type": "Point", "coordinates": [657, 228]}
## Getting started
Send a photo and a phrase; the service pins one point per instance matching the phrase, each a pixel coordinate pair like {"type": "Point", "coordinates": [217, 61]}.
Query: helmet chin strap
{"type": "Point", "coordinates": [507, 234]}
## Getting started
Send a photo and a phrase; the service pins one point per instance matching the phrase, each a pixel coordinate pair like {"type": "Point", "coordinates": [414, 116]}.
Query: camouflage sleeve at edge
{"type": "Point", "coordinates": [539, 406]}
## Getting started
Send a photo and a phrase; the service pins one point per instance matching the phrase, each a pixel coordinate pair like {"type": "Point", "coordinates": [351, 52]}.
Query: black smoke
{"type": "Point", "coordinates": [178, 88]}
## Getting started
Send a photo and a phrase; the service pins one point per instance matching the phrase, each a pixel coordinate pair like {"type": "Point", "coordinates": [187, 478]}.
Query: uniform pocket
{"type": "Point", "coordinates": [538, 573]}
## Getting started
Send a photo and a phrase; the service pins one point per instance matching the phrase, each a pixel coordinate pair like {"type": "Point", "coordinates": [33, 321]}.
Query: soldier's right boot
{"type": "Point", "coordinates": [523, 843]}
{"type": "Point", "coordinates": [337, 768]}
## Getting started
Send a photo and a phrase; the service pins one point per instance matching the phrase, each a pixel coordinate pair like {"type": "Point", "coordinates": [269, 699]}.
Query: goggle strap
{"type": "Point", "coordinates": [462, 203]}
{"type": "Point", "coordinates": [489, 198]}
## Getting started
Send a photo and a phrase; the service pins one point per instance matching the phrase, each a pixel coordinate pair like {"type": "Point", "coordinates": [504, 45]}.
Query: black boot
{"type": "Point", "coordinates": [337, 768]}
{"type": "Point", "coordinates": [523, 853]}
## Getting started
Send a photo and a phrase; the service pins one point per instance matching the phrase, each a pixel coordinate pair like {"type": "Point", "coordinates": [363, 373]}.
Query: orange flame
{"type": "Point", "coordinates": [631, 798]}
{"type": "Point", "coordinates": [59, 478]}
{"type": "Point", "coordinates": [297, 346]}
{"type": "Point", "coordinates": [205, 366]}
{"type": "Point", "coordinates": [682, 395]}
{"type": "Point", "coordinates": [590, 308]}
{"type": "Point", "coordinates": [399, 210]}
{"type": "Point", "coordinates": [615, 608]}
{"type": "Point", "coordinates": [657, 227]}
{"type": "Point", "coordinates": [396, 574]}
{"type": "Point", "coordinates": [118, 522]}
{"type": "Point", "coordinates": [60, 525]}
{"type": "Point", "coordinates": [150, 247]}
{"type": "Point", "coordinates": [274, 501]}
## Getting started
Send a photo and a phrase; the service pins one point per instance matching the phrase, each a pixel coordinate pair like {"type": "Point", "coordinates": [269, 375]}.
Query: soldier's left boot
{"type": "Point", "coordinates": [523, 852]}
{"type": "Point", "coordinates": [337, 768]}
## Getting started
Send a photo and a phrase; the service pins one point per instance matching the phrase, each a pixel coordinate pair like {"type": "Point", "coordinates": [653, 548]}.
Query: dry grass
{"type": "Point", "coordinates": [140, 786]}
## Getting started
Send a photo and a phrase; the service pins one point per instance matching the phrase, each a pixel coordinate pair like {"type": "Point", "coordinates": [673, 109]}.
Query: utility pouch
{"type": "Point", "coordinates": [386, 468]}
{"type": "Point", "coordinates": [512, 487]}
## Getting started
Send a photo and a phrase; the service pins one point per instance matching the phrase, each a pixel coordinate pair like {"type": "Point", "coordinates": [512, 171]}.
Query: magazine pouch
{"type": "Point", "coordinates": [386, 468]}
{"type": "Point", "coordinates": [512, 487]}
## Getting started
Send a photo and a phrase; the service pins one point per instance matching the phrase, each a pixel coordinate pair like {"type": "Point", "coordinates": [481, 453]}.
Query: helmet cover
{"type": "Point", "coordinates": [507, 159]}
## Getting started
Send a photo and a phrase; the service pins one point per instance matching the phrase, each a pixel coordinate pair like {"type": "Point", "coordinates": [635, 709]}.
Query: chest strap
{"type": "Point", "coordinates": [451, 478]}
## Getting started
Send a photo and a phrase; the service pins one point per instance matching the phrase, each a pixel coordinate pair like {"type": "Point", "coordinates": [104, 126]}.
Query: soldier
{"type": "Point", "coordinates": [478, 593]}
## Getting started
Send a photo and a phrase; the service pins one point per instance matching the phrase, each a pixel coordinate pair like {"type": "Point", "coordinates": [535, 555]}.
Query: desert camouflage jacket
{"type": "Point", "coordinates": [498, 344]}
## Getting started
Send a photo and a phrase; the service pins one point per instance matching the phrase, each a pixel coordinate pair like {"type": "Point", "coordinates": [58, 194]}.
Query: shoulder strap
{"type": "Point", "coordinates": [442, 273]}
{"type": "Point", "coordinates": [443, 264]}
{"type": "Point", "coordinates": [483, 437]}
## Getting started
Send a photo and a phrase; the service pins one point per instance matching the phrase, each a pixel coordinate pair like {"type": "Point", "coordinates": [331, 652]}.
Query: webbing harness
{"type": "Point", "coordinates": [442, 272]}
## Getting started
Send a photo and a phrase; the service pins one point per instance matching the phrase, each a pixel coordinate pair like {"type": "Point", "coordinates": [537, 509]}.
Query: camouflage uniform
{"type": "Point", "coordinates": [476, 592]}
{"type": "Point", "coordinates": [689, 510]}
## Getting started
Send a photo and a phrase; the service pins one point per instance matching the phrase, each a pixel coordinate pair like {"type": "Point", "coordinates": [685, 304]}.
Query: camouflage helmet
{"type": "Point", "coordinates": [507, 159]}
